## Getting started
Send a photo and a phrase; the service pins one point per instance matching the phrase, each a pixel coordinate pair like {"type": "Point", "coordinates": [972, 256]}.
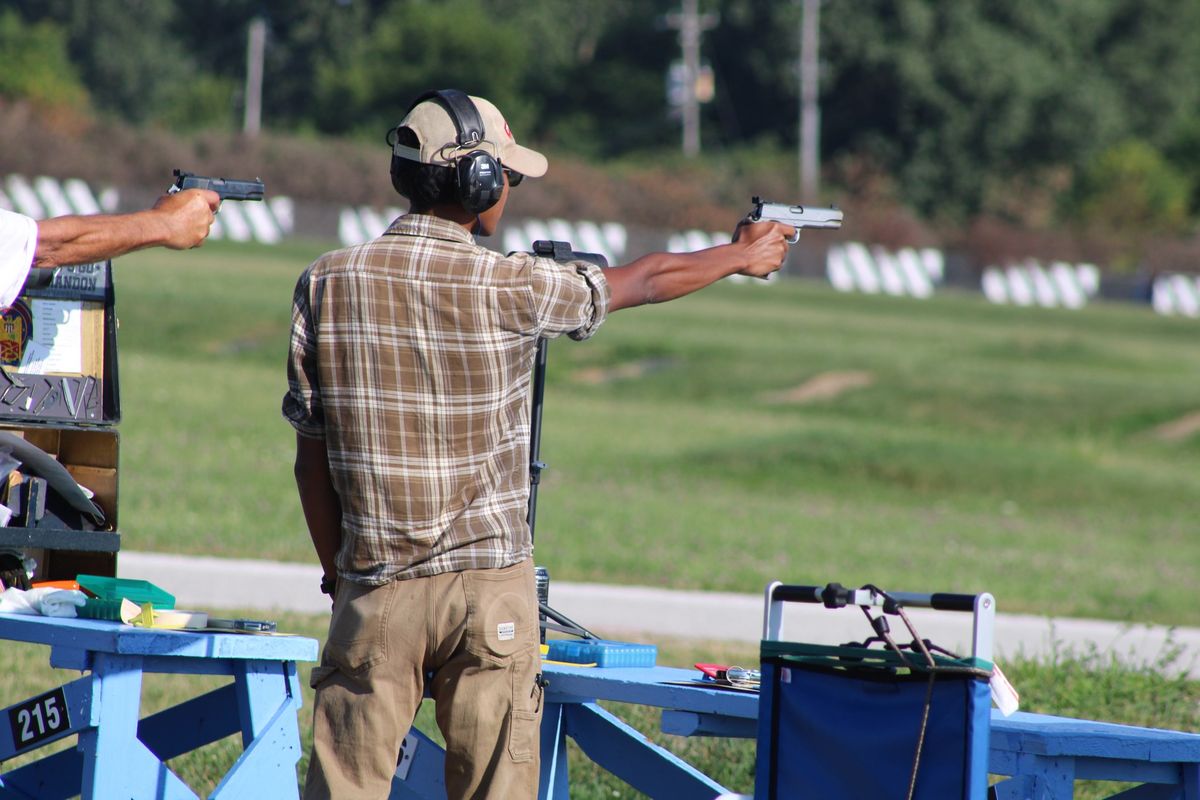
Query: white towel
{"type": "Point", "coordinates": [46, 601]}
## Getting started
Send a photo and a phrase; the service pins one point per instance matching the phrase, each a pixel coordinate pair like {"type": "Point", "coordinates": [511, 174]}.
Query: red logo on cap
{"type": "Point", "coordinates": [507, 132]}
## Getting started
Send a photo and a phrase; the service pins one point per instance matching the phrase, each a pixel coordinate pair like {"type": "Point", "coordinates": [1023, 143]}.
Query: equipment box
{"type": "Point", "coordinates": [59, 405]}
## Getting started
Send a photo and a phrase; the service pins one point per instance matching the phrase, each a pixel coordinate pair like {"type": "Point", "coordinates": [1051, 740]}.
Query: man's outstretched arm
{"type": "Point", "coordinates": [178, 221]}
{"type": "Point", "coordinates": [758, 249]}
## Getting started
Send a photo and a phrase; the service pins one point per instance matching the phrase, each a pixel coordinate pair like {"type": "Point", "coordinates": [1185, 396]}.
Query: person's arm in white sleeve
{"type": "Point", "coordinates": [18, 242]}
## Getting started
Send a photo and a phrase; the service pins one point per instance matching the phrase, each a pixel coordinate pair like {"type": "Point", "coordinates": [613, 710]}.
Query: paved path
{"type": "Point", "coordinates": [633, 611]}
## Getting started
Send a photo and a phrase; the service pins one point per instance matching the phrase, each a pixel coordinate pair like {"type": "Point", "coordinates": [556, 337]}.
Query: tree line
{"type": "Point", "coordinates": [1039, 113]}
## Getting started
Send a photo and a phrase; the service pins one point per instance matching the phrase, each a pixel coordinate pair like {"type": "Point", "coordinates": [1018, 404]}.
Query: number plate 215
{"type": "Point", "coordinates": [38, 719]}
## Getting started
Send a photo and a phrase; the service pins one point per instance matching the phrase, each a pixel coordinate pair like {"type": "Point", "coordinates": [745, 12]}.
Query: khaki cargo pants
{"type": "Point", "coordinates": [475, 634]}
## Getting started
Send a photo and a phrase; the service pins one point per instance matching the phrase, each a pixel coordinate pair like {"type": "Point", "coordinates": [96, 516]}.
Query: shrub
{"type": "Point", "coordinates": [1132, 188]}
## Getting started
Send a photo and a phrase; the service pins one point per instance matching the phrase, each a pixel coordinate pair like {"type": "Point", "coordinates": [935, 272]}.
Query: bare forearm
{"type": "Point", "coordinates": [84, 239]}
{"type": "Point", "coordinates": [319, 500]}
{"type": "Point", "coordinates": [758, 249]}
{"type": "Point", "coordinates": [659, 277]}
{"type": "Point", "coordinates": [178, 221]}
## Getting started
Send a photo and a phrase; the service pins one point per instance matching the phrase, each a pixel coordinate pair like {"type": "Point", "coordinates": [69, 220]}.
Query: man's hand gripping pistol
{"type": "Point", "coordinates": [797, 216]}
{"type": "Point", "coordinates": [228, 189]}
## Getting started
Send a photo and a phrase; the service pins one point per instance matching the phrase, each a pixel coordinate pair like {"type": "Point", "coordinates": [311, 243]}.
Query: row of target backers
{"type": "Point", "coordinates": [1058, 285]}
{"type": "Point", "coordinates": [908, 272]}
{"type": "Point", "coordinates": [1176, 294]}
{"type": "Point", "coordinates": [1062, 285]}
{"type": "Point", "coordinates": [267, 222]}
{"type": "Point", "coordinates": [48, 197]}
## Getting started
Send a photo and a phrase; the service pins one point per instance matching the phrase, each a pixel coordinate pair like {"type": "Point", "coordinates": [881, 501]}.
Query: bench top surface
{"type": "Point", "coordinates": [663, 687]}
{"type": "Point", "coordinates": [1048, 735]}
{"type": "Point", "coordinates": [102, 636]}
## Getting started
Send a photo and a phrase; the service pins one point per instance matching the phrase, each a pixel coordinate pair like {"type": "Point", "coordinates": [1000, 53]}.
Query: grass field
{"type": "Point", "coordinates": [962, 447]}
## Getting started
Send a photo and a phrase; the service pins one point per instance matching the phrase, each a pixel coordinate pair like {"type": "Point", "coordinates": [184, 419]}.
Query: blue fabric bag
{"type": "Point", "coordinates": [846, 722]}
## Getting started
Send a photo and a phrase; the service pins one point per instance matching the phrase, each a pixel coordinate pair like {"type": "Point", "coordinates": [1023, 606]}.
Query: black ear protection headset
{"type": "Point", "coordinates": [479, 180]}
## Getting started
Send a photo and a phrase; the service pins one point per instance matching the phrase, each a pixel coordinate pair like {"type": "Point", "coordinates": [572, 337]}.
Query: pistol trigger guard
{"type": "Point", "coordinates": [795, 238]}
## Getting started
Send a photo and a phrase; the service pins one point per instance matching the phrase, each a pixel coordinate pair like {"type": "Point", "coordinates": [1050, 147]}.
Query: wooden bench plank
{"type": "Point", "coordinates": [1048, 735]}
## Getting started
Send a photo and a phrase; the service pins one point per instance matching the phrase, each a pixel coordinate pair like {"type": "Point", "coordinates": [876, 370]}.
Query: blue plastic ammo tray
{"type": "Point", "coordinates": [602, 652]}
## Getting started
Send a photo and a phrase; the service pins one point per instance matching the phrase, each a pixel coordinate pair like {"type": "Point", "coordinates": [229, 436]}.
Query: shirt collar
{"type": "Point", "coordinates": [430, 227]}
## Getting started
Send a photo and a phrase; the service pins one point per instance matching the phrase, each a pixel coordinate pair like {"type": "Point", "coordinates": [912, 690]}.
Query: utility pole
{"type": "Point", "coordinates": [256, 42]}
{"type": "Point", "coordinates": [691, 25]}
{"type": "Point", "coordinates": [810, 109]}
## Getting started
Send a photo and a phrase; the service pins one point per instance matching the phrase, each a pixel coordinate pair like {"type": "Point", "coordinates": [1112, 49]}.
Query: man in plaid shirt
{"type": "Point", "coordinates": [408, 375]}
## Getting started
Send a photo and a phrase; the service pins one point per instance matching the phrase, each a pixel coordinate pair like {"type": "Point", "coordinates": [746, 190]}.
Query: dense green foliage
{"type": "Point", "coordinates": [967, 106]}
{"type": "Point", "coordinates": [957, 98]}
{"type": "Point", "coordinates": [46, 77]}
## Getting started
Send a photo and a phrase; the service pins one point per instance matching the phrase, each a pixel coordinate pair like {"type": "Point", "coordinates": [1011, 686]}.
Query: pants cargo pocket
{"type": "Point", "coordinates": [319, 674]}
{"type": "Point", "coordinates": [525, 718]}
{"type": "Point", "coordinates": [358, 631]}
{"type": "Point", "coordinates": [523, 735]}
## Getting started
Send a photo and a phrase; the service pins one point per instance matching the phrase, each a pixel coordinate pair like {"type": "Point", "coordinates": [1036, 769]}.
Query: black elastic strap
{"type": "Point", "coordinates": [463, 114]}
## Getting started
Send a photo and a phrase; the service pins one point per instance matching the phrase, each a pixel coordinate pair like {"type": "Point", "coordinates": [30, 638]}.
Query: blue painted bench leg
{"type": "Point", "coordinates": [553, 783]}
{"type": "Point", "coordinates": [115, 762]}
{"type": "Point", "coordinates": [267, 767]}
{"type": "Point", "coordinates": [267, 698]}
{"type": "Point", "coordinates": [1039, 778]}
{"type": "Point", "coordinates": [421, 773]}
{"type": "Point", "coordinates": [628, 754]}
{"type": "Point", "coordinates": [609, 742]}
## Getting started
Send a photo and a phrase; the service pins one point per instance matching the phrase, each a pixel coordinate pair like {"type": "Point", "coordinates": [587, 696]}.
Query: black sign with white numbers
{"type": "Point", "coordinates": [38, 719]}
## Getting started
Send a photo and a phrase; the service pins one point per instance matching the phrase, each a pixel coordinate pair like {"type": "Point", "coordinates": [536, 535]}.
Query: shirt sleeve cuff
{"type": "Point", "coordinates": [601, 297]}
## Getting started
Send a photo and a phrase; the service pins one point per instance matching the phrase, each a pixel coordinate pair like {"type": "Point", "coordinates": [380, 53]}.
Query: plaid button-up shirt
{"type": "Point", "coordinates": [411, 356]}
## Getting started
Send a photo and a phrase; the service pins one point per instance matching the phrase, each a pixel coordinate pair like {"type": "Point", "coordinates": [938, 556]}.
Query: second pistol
{"type": "Point", "coordinates": [227, 188]}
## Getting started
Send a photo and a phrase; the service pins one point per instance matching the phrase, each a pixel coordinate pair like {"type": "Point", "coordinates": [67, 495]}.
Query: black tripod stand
{"type": "Point", "coordinates": [548, 617]}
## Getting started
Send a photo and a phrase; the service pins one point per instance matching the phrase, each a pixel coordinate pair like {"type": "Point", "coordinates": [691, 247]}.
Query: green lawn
{"type": "Point", "coordinates": [999, 449]}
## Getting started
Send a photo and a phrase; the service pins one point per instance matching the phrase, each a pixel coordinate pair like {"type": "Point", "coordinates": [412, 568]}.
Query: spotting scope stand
{"type": "Point", "coordinates": [549, 618]}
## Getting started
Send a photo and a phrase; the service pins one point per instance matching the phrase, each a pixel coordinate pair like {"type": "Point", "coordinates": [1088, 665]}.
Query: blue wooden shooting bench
{"type": "Point", "coordinates": [1041, 755]}
{"type": "Point", "coordinates": [1038, 757]}
{"type": "Point", "coordinates": [117, 754]}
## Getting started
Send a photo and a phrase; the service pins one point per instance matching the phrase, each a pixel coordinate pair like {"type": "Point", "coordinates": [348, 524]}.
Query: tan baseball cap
{"type": "Point", "coordinates": [435, 130]}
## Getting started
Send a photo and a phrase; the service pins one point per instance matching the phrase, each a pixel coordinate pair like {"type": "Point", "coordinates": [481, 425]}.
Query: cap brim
{"type": "Point", "coordinates": [525, 161]}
